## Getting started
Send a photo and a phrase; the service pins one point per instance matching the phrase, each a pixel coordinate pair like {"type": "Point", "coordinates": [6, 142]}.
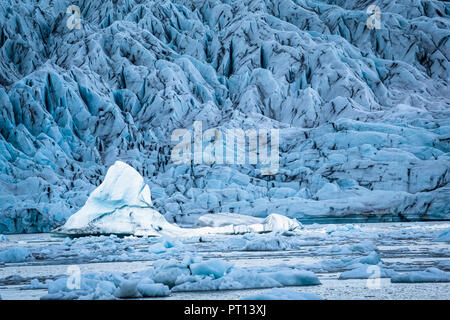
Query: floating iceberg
{"type": "Point", "coordinates": [429, 275]}
{"type": "Point", "coordinates": [122, 205]}
{"type": "Point", "coordinates": [15, 254]}
{"type": "Point", "coordinates": [366, 272]}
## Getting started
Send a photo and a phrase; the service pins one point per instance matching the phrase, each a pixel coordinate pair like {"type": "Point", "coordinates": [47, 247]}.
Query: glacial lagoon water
{"type": "Point", "coordinates": [403, 247]}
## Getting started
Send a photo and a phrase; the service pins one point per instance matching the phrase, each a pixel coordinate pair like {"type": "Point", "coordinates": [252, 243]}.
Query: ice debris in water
{"type": "Point", "coordinates": [166, 276]}
{"type": "Point", "coordinates": [366, 271]}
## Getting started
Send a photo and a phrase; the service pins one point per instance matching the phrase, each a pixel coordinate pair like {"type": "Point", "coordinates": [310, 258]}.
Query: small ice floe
{"type": "Point", "coordinates": [166, 276]}
{"type": "Point", "coordinates": [36, 284]}
{"type": "Point", "coordinates": [3, 238]}
{"type": "Point", "coordinates": [444, 237]}
{"type": "Point", "coordinates": [122, 205]}
{"type": "Point", "coordinates": [444, 264]}
{"type": "Point", "coordinates": [344, 263]}
{"type": "Point", "coordinates": [262, 243]}
{"type": "Point", "coordinates": [429, 275]}
{"type": "Point", "coordinates": [372, 258]}
{"type": "Point", "coordinates": [366, 272]}
{"type": "Point", "coordinates": [15, 254]}
{"type": "Point", "coordinates": [259, 242]}
{"type": "Point", "coordinates": [343, 229]}
{"type": "Point", "coordinates": [362, 247]}
{"type": "Point", "coordinates": [164, 245]}
{"type": "Point", "coordinates": [145, 288]}
{"type": "Point", "coordinates": [151, 290]}
{"type": "Point", "coordinates": [283, 294]}
{"type": "Point", "coordinates": [215, 268]}
{"type": "Point", "coordinates": [370, 266]}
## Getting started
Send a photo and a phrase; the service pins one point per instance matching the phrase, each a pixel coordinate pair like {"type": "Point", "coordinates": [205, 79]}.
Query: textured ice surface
{"type": "Point", "coordinates": [363, 114]}
{"type": "Point", "coordinates": [122, 205]}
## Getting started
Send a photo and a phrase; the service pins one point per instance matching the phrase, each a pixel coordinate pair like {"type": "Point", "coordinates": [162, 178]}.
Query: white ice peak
{"type": "Point", "coordinates": [123, 185]}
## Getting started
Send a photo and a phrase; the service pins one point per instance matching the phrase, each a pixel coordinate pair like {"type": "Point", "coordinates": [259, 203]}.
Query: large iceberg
{"type": "Point", "coordinates": [122, 205]}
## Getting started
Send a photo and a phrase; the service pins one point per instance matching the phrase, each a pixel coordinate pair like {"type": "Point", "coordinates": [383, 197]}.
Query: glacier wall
{"type": "Point", "coordinates": [363, 113]}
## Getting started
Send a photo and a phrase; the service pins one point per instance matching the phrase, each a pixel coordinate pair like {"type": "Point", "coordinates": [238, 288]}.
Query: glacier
{"type": "Point", "coordinates": [363, 114]}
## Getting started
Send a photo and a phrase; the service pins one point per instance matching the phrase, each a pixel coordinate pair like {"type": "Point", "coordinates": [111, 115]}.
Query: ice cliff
{"type": "Point", "coordinates": [363, 113]}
